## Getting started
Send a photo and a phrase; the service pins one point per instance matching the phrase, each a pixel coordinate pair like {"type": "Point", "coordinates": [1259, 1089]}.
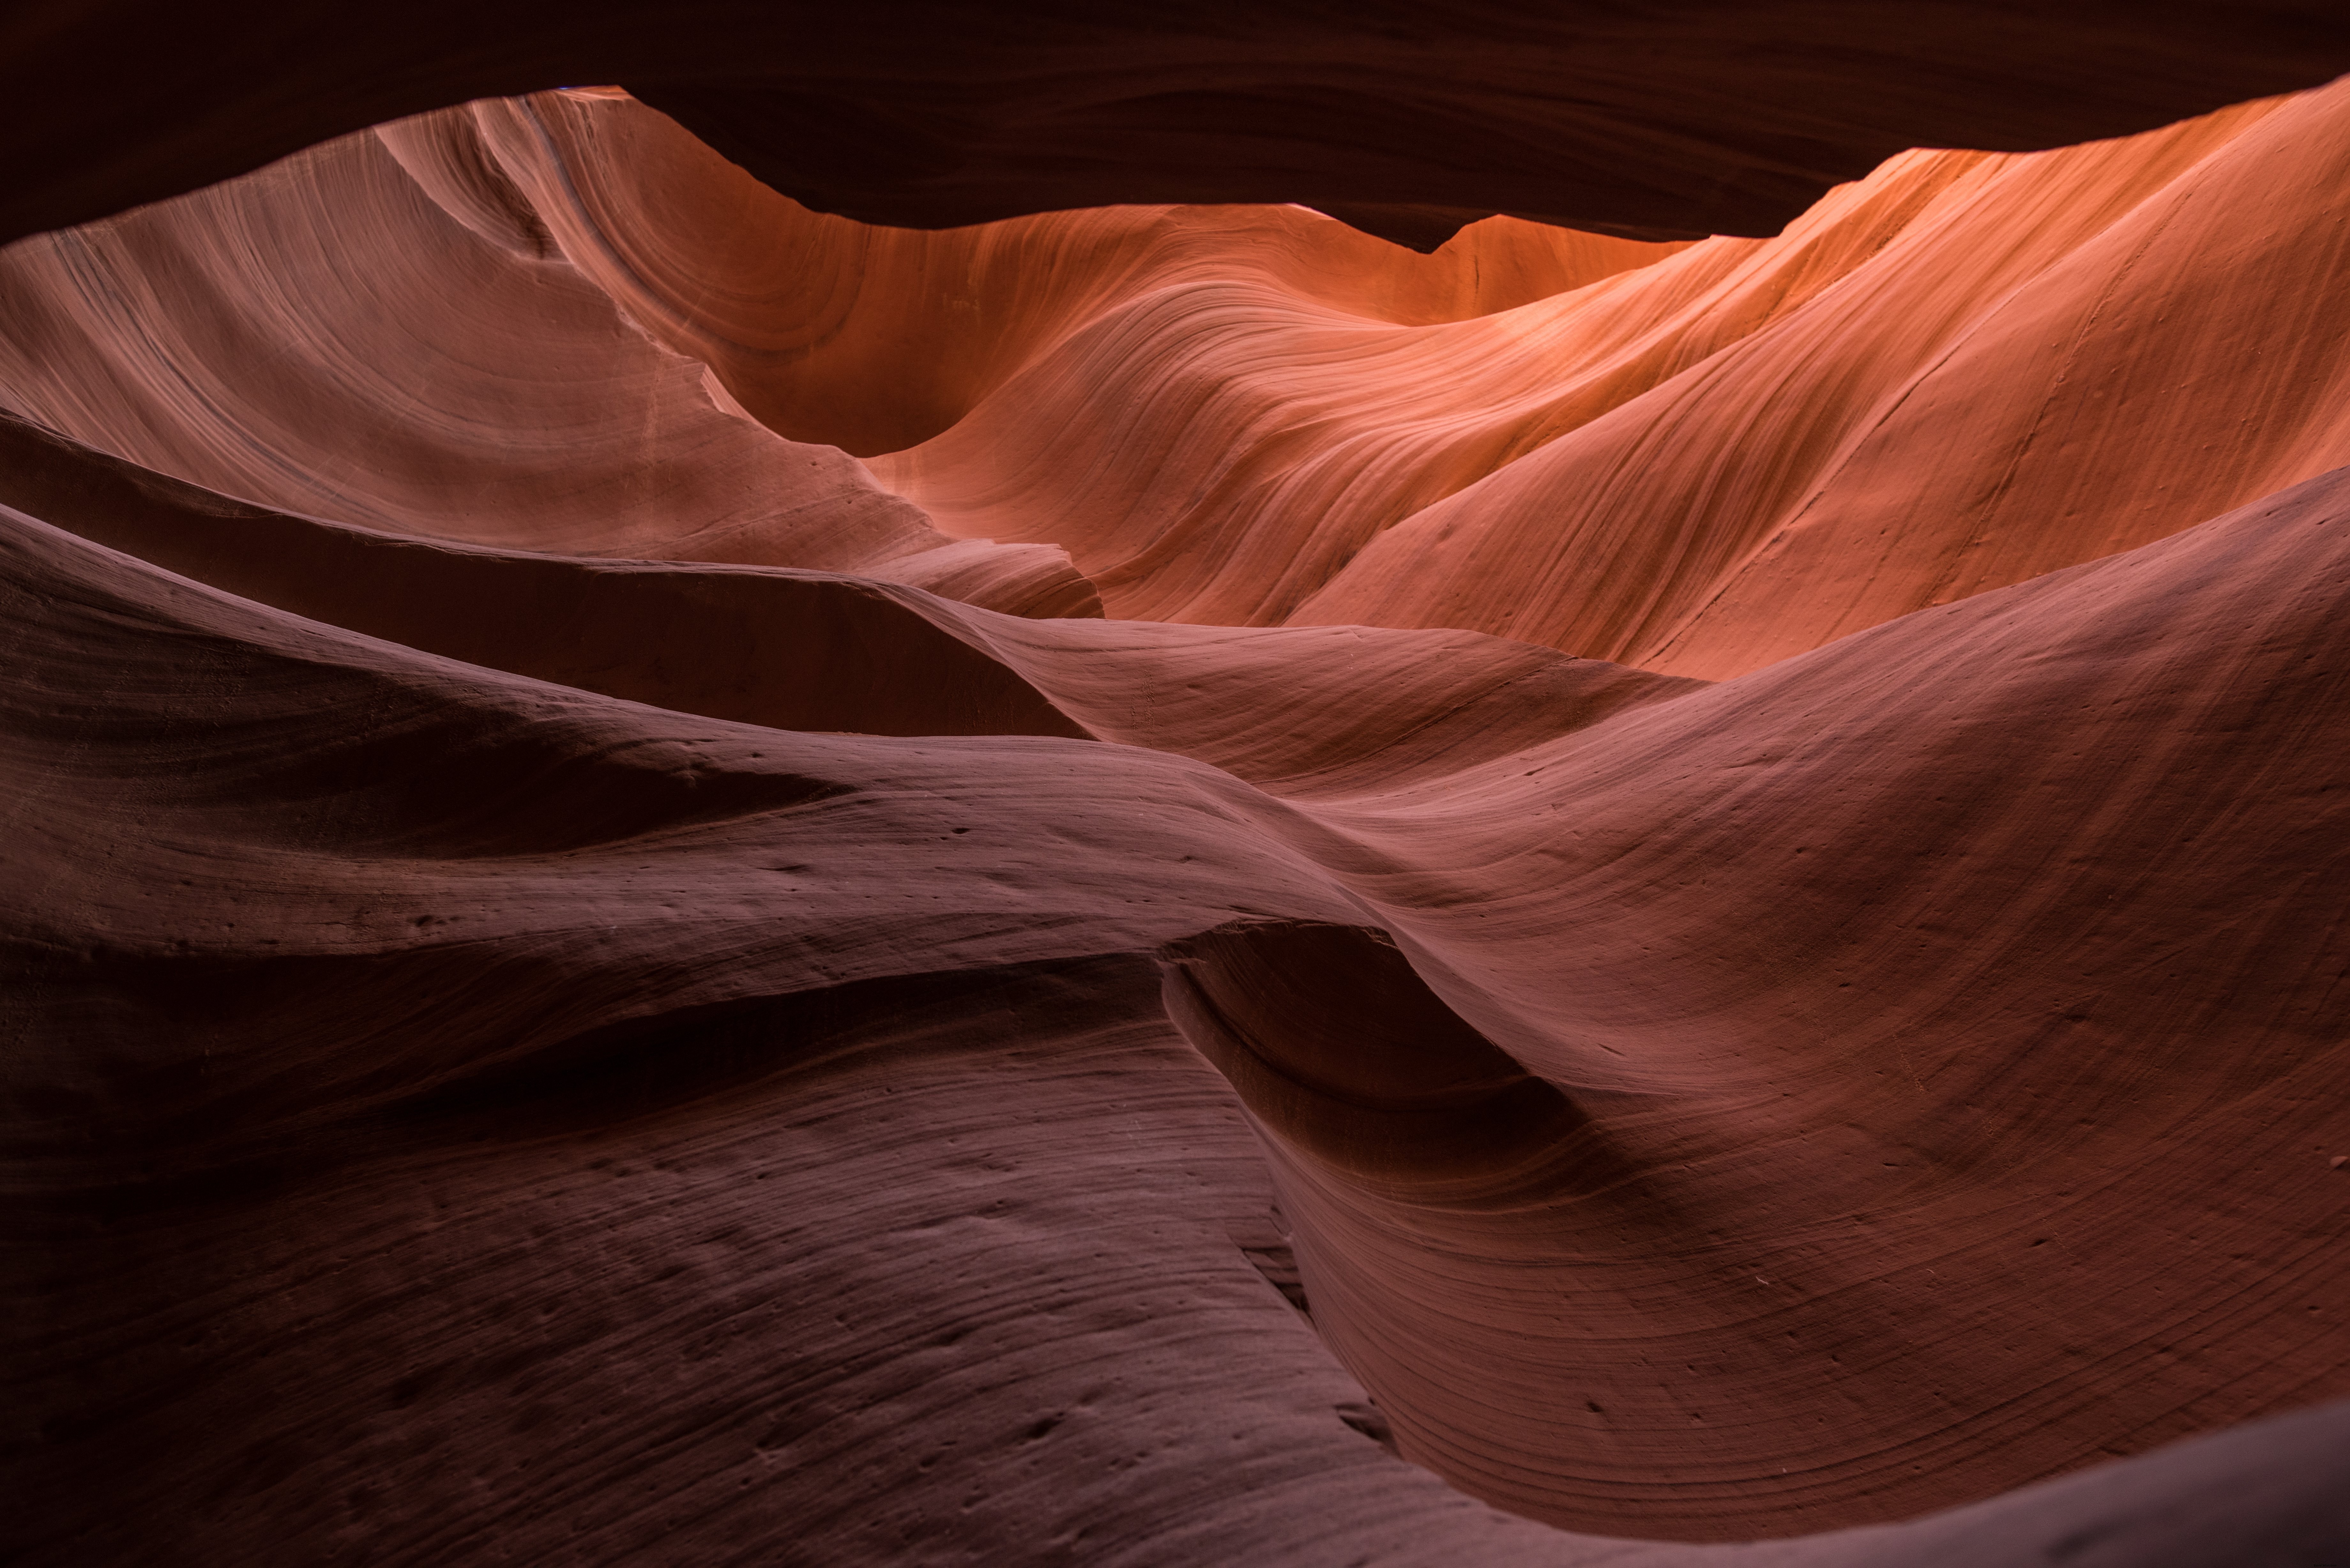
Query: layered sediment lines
{"type": "Point", "coordinates": [707, 877]}
{"type": "Point", "coordinates": [326, 339]}
{"type": "Point", "coordinates": [1959, 373]}
{"type": "Point", "coordinates": [934, 115]}
{"type": "Point", "coordinates": [1964, 372]}
{"type": "Point", "coordinates": [1894, 1067]}
{"type": "Point", "coordinates": [2068, 355]}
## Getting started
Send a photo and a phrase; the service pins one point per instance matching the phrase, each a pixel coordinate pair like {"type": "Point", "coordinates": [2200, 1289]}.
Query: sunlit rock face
{"type": "Point", "coordinates": [693, 882]}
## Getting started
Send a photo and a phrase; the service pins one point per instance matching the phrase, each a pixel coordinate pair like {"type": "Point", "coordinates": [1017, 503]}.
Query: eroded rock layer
{"type": "Point", "coordinates": [689, 881]}
{"type": "Point", "coordinates": [1689, 117]}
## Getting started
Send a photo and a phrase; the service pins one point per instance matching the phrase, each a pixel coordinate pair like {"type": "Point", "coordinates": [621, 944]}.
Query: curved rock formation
{"type": "Point", "coordinates": [1168, 884]}
{"type": "Point", "coordinates": [237, 340]}
{"type": "Point", "coordinates": [1691, 117]}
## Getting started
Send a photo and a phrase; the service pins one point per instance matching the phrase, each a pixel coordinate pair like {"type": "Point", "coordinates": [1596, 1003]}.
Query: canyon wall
{"type": "Point", "coordinates": [689, 880]}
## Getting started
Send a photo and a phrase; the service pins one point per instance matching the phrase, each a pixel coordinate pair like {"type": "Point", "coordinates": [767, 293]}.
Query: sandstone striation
{"type": "Point", "coordinates": [689, 880]}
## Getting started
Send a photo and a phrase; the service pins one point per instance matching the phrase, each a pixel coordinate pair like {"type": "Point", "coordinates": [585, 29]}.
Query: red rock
{"type": "Point", "coordinates": [1693, 117]}
{"type": "Point", "coordinates": [691, 882]}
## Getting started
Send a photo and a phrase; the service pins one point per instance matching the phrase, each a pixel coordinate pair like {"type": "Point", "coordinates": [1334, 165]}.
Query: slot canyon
{"type": "Point", "coordinates": [1551, 785]}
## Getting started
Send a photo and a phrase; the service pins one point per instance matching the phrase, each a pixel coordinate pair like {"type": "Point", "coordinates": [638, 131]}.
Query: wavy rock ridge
{"type": "Point", "coordinates": [711, 881]}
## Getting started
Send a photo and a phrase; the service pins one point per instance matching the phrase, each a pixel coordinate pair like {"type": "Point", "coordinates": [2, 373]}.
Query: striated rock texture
{"type": "Point", "coordinates": [1674, 118]}
{"type": "Point", "coordinates": [688, 882]}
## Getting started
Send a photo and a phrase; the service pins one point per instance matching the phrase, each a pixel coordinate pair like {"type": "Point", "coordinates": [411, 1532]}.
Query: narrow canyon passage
{"type": "Point", "coordinates": [696, 880]}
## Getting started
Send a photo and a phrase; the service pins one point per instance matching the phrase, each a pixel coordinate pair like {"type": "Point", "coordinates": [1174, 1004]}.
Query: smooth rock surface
{"type": "Point", "coordinates": [688, 882]}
